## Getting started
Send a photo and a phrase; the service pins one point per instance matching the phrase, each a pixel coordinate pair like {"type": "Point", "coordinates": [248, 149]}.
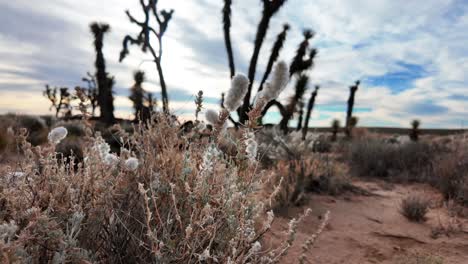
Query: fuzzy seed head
{"type": "Point", "coordinates": [278, 82]}
{"type": "Point", "coordinates": [57, 134]}
{"type": "Point", "coordinates": [251, 146]}
{"type": "Point", "coordinates": [111, 159]}
{"type": "Point", "coordinates": [236, 94]}
{"type": "Point", "coordinates": [131, 164]}
{"type": "Point", "coordinates": [7, 231]}
{"type": "Point", "coordinates": [212, 116]}
{"type": "Point", "coordinates": [255, 249]}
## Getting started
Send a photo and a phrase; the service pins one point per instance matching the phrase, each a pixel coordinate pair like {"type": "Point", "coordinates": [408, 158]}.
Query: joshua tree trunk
{"type": "Point", "coordinates": [270, 7]}
{"type": "Point", "coordinates": [414, 134]}
{"type": "Point", "coordinates": [262, 29]}
{"type": "Point", "coordinates": [164, 95]}
{"type": "Point", "coordinates": [227, 35]}
{"type": "Point", "coordinates": [301, 116]}
{"type": "Point", "coordinates": [310, 107]}
{"type": "Point", "coordinates": [104, 82]}
{"type": "Point", "coordinates": [335, 129]}
{"type": "Point", "coordinates": [353, 89]}
{"type": "Point", "coordinates": [137, 94]}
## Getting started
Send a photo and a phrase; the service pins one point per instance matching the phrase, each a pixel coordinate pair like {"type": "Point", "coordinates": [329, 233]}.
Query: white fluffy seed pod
{"type": "Point", "coordinates": [131, 164]}
{"type": "Point", "coordinates": [278, 82]}
{"type": "Point", "coordinates": [236, 94]}
{"type": "Point", "coordinates": [103, 149]}
{"type": "Point", "coordinates": [212, 116]}
{"type": "Point", "coordinates": [57, 134]}
{"type": "Point", "coordinates": [111, 159]}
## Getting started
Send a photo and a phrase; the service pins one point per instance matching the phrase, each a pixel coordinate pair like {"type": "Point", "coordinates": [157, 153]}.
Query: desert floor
{"type": "Point", "coordinates": [370, 229]}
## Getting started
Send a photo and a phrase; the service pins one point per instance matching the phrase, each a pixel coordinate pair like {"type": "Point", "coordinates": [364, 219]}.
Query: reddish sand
{"type": "Point", "coordinates": [370, 229]}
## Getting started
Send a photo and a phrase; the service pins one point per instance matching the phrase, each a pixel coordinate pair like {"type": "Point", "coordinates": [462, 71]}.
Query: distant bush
{"type": "Point", "coordinates": [329, 178]}
{"type": "Point", "coordinates": [450, 174]}
{"type": "Point", "coordinates": [36, 127]}
{"type": "Point", "coordinates": [420, 258]}
{"type": "Point", "coordinates": [4, 139]}
{"type": "Point", "coordinates": [415, 208]}
{"type": "Point", "coordinates": [70, 152]}
{"type": "Point", "coordinates": [321, 145]}
{"type": "Point", "coordinates": [377, 158]}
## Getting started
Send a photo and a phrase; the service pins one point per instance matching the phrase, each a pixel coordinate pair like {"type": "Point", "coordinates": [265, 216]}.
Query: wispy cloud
{"type": "Point", "coordinates": [411, 55]}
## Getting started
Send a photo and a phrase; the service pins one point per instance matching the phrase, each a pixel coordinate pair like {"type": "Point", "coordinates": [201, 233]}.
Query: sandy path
{"type": "Point", "coordinates": [371, 229]}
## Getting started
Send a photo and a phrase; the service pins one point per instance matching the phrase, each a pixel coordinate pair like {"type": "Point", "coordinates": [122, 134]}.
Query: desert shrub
{"type": "Point", "coordinates": [290, 179]}
{"type": "Point", "coordinates": [376, 158]}
{"type": "Point", "coordinates": [111, 135]}
{"type": "Point", "coordinates": [329, 177]}
{"type": "Point", "coordinates": [321, 145]}
{"type": "Point", "coordinates": [4, 139]}
{"type": "Point", "coordinates": [414, 208]}
{"type": "Point", "coordinates": [419, 258]}
{"type": "Point", "coordinates": [35, 126]}
{"type": "Point", "coordinates": [155, 202]}
{"type": "Point", "coordinates": [75, 128]}
{"type": "Point", "coordinates": [274, 145]}
{"type": "Point", "coordinates": [70, 152]}
{"type": "Point", "coordinates": [449, 174]}
{"type": "Point", "coordinates": [49, 120]}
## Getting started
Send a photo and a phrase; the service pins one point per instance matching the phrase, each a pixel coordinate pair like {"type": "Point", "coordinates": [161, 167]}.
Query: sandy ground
{"type": "Point", "coordinates": [370, 229]}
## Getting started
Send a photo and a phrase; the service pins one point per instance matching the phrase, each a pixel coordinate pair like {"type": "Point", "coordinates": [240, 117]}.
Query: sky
{"type": "Point", "coordinates": [411, 56]}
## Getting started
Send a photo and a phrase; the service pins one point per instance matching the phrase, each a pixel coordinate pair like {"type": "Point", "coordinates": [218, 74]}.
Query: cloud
{"type": "Point", "coordinates": [411, 55]}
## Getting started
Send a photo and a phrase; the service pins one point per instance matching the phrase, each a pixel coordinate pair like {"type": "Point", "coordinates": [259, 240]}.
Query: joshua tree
{"type": "Point", "coordinates": [162, 18]}
{"type": "Point", "coordinates": [353, 89]}
{"type": "Point", "coordinates": [275, 51]}
{"type": "Point", "coordinates": [354, 121]}
{"type": "Point", "coordinates": [137, 94]}
{"type": "Point", "coordinates": [270, 7]}
{"type": "Point", "coordinates": [91, 92]}
{"type": "Point", "coordinates": [310, 107]}
{"type": "Point", "coordinates": [151, 102]}
{"type": "Point", "coordinates": [104, 82]}
{"type": "Point", "coordinates": [335, 129]}
{"type": "Point", "coordinates": [301, 87]}
{"type": "Point", "coordinates": [62, 102]}
{"type": "Point", "coordinates": [300, 106]}
{"type": "Point", "coordinates": [302, 61]}
{"type": "Point", "coordinates": [227, 35]}
{"type": "Point", "coordinates": [199, 103]}
{"type": "Point", "coordinates": [415, 132]}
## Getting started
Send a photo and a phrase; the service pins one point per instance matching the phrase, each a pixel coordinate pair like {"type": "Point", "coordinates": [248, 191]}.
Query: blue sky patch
{"type": "Point", "coordinates": [343, 108]}
{"type": "Point", "coordinates": [400, 80]}
{"type": "Point", "coordinates": [427, 109]}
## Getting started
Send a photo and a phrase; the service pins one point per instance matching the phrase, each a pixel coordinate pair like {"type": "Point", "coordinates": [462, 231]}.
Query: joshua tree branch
{"type": "Point", "coordinates": [227, 34]}
{"type": "Point", "coordinates": [275, 51]}
{"type": "Point", "coordinates": [310, 107]}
